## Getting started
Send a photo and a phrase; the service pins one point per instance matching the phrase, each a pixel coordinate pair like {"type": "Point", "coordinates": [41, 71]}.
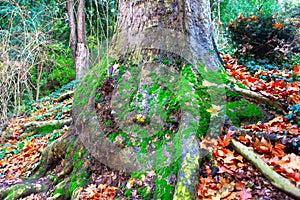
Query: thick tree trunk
{"type": "Point", "coordinates": [144, 28]}
{"type": "Point", "coordinates": [179, 26]}
{"type": "Point", "coordinates": [147, 30]}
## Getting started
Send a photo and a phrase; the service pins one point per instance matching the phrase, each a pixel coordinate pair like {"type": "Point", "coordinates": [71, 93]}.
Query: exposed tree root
{"type": "Point", "coordinates": [53, 153]}
{"type": "Point", "coordinates": [188, 174]}
{"type": "Point", "coordinates": [74, 174]}
{"type": "Point", "coordinates": [24, 189]}
{"type": "Point", "coordinates": [64, 96]}
{"type": "Point", "coordinates": [276, 179]}
{"type": "Point", "coordinates": [72, 177]}
{"type": "Point", "coordinates": [40, 124]}
{"type": "Point", "coordinates": [250, 95]}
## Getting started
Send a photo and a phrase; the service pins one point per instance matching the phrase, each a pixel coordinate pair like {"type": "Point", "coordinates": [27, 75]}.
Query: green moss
{"type": "Point", "coordinates": [166, 61]}
{"type": "Point", "coordinates": [127, 193]}
{"type": "Point", "coordinates": [52, 177]}
{"type": "Point", "coordinates": [58, 191]}
{"type": "Point", "coordinates": [230, 93]}
{"type": "Point", "coordinates": [76, 154]}
{"type": "Point", "coordinates": [81, 182]}
{"type": "Point", "coordinates": [243, 111]}
{"type": "Point", "coordinates": [46, 129]}
{"type": "Point", "coordinates": [73, 177]}
{"type": "Point", "coordinates": [73, 183]}
{"type": "Point", "coordinates": [10, 192]}
{"type": "Point", "coordinates": [70, 146]}
{"type": "Point", "coordinates": [138, 174]}
{"type": "Point", "coordinates": [98, 96]}
{"type": "Point", "coordinates": [213, 76]}
{"type": "Point", "coordinates": [88, 87]}
{"type": "Point", "coordinates": [54, 136]}
{"type": "Point", "coordinates": [68, 149]}
{"type": "Point", "coordinates": [73, 186]}
{"type": "Point", "coordinates": [83, 151]}
{"type": "Point", "coordinates": [79, 164]}
{"type": "Point", "coordinates": [142, 191]}
{"type": "Point", "coordinates": [83, 173]}
{"type": "Point", "coordinates": [204, 102]}
{"type": "Point", "coordinates": [163, 190]}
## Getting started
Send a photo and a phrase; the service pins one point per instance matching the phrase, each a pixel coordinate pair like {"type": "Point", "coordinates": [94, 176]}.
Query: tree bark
{"type": "Point", "coordinates": [82, 52]}
{"type": "Point", "coordinates": [72, 27]}
{"type": "Point", "coordinates": [181, 26]}
{"type": "Point", "coordinates": [78, 40]}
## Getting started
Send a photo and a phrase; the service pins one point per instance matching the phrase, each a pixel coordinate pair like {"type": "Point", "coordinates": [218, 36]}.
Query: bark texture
{"type": "Point", "coordinates": [78, 41]}
{"type": "Point", "coordinates": [179, 26]}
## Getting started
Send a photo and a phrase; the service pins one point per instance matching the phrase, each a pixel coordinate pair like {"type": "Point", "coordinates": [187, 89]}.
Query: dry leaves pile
{"type": "Point", "coordinates": [227, 175]}
{"type": "Point", "coordinates": [273, 89]}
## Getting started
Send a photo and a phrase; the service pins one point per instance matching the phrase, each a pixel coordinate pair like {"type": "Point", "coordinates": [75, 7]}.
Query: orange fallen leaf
{"type": "Point", "coordinates": [277, 25]}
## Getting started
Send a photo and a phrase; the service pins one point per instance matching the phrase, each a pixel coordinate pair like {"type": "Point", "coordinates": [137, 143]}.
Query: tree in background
{"type": "Point", "coordinates": [78, 38]}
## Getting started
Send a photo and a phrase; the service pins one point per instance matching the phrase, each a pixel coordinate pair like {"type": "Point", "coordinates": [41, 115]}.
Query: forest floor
{"type": "Point", "coordinates": [227, 175]}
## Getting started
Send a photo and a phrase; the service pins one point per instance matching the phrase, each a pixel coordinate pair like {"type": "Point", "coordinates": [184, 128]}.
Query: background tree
{"type": "Point", "coordinates": [78, 38]}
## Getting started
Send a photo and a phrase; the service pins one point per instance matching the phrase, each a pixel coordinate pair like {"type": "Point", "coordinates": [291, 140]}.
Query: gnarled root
{"type": "Point", "coordinates": [24, 189]}
{"type": "Point", "coordinates": [53, 153]}
{"type": "Point", "coordinates": [188, 175]}
{"type": "Point", "coordinates": [72, 177]}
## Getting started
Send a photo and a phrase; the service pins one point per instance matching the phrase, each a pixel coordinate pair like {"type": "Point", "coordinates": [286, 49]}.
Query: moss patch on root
{"type": "Point", "coordinates": [243, 111]}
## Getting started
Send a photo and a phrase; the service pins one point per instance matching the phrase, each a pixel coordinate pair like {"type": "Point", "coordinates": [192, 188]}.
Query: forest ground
{"type": "Point", "coordinates": [272, 133]}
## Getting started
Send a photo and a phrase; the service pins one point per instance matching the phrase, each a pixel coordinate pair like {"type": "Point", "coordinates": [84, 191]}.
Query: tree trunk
{"type": "Point", "coordinates": [179, 26]}
{"type": "Point", "coordinates": [145, 30]}
{"type": "Point", "coordinates": [72, 27]}
{"type": "Point", "coordinates": [154, 42]}
{"type": "Point", "coordinates": [78, 41]}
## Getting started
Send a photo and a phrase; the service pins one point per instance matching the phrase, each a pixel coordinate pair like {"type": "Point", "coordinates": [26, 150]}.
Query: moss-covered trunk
{"type": "Point", "coordinates": [161, 50]}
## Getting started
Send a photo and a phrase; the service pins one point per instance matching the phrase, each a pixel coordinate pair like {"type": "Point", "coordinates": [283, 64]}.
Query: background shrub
{"type": "Point", "coordinates": [263, 36]}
